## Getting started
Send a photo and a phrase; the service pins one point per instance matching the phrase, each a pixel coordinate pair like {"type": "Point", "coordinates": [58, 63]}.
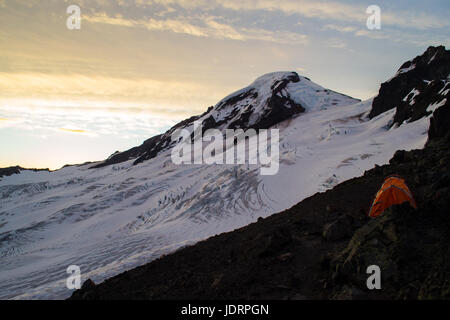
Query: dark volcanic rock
{"type": "Point", "coordinates": [433, 65]}
{"type": "Point", "coordinates": [339, 229]}
{"type": "Point", "coordinates": [85, 292]}
{"type": "Point", "coordinates": [440, 122]}
{"type": "Point", "coordinates": [149, 145]}
{"type": "Point", "coordinates": [88, 285]}
{"type": "Point", "coordinates": [280, 105]}
{"type": "Point", "coordinates": [5, 172]}
{"type": "Point", "coordinates": [275, 242]}
{"type": "Point", "coordinates": [415, 105]}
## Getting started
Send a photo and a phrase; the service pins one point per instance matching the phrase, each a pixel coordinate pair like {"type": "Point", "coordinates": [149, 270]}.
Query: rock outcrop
{"type": "Point", "coordinates": [5, 172]}
{"type": "Point", "coordinates": [414, 84]}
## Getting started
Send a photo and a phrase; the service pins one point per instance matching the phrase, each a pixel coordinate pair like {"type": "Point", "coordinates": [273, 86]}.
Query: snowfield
{"type": "Point", "coordinates": [111, 219]}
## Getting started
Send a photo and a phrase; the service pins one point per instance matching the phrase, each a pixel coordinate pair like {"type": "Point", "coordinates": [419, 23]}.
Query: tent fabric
{"type": "Point", "coordinates": [393, 191]}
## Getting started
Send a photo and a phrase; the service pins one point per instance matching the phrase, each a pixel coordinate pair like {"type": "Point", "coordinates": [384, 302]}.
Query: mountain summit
{"type": "Point", "coordinates": [270, 99]}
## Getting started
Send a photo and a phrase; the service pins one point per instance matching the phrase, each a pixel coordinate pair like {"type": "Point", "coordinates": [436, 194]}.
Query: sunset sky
{"type": "Point", "coordinates": [136, 67]}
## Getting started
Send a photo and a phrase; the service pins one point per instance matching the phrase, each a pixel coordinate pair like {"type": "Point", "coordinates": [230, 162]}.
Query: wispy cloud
{"type": "Point", "coordinates": [73, 130]}
{"type": "Point", "coordinates": [337, 44]}
{"type": "Point", "coordinates": [202, 26]}
{"type": "Point", "coordinates": [338, 11]}
{"type": "Point", "coordinates": [200, 19]}
{"type": "Point", "coordinates": [175, 98]}
{"type": "Point", "coordinates": [323, 10]}
{"type": "Point", "coordinates": [344, 28]}
{"type": "Point", "coordinates": [54, 138]}
{"type": "Point", "coordinates": [398, 36]}
{"type": "Point", "coordinates": [89, 123]}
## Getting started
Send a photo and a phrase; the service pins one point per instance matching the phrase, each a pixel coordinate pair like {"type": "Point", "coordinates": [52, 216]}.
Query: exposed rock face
{"type": "Point", "coordinates": [440, 122]}
{"type": "Point", "coordinates": [279, 106]}
{"type": "Point", "coordinates": [269, 100]}
{"type": "Point", "coordinates": [422, 100]}
{"type": "Point", "coordinates": [415, 84]}
{"type": "Point", "coordinates": [4, 172]}
{"type": "Point", "coordinates": [147, 150]}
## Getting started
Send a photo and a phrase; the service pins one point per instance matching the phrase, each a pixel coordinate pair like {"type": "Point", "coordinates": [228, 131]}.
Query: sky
{"type": "Point", "coordinates": [137, 67]}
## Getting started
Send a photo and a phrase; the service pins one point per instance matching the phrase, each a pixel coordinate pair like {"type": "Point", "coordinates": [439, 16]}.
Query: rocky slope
{"type": "Point", "coordinates": [321, 247]}
{"type": "Point", "coordinates": [415, 83]}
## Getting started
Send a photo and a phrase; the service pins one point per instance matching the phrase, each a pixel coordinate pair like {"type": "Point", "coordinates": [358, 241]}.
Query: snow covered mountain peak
{"type": "Point", "coordinates": [272, 98]}
{"type": "Point", "coordinates": [269, 100]}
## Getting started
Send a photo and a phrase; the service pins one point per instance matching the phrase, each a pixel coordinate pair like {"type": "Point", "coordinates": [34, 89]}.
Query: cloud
{"type": "Point", "coordinates": [354, 15]}
{"type": "Point", "coordinates": [337, 11]}
{"type": "Point", "coordinates": [170, 97]}
{"type": "Point", "coordinates": [337, 44]}
{"type": "Point", "coordinates": [177, 26]}
{"type": "Point", "coordinates": [339, 28]}
{"type": "Point", "coordinates": [420, 39]}
{"type": "Point", "coordinates": [73, 130]}
{"type": "Point", "coordinates": [49, 137]}
{"type": "Point", "coordinates": [104, 18]}
{"type": "Point", "coordinates": [78, 121]}
{"type": "Point", "coordinates": [198, 19]}
{"type": "Point", "coordinates": [202, 26]}
{"type": "Point", "coordinates": [398, 36]}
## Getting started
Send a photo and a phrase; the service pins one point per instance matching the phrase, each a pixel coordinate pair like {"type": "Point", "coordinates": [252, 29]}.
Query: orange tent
{"type": "Point", "coordinates": [393, 191]}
